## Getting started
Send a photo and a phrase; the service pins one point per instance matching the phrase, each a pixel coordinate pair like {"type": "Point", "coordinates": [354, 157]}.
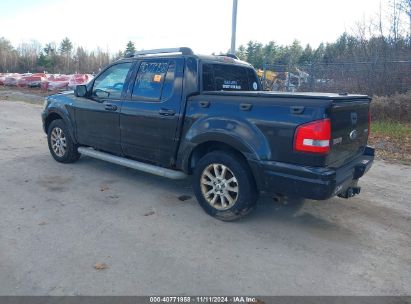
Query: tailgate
{"type": "Point", "coordinates": [349, 130]}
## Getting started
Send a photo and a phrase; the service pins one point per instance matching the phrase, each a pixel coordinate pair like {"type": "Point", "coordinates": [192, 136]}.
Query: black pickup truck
{"type": "Point", "coordinates": [173, 113]}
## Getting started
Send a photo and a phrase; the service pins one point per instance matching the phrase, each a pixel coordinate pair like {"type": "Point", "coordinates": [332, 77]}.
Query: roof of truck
{"type": "Point", "coordinates": [184, 51]}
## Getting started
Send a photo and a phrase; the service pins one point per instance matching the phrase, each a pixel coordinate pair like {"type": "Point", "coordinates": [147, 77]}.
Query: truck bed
{"type": "Point", "coordinates": [270, 119]}
{"type": "Point", "coordinates": [305, 95]}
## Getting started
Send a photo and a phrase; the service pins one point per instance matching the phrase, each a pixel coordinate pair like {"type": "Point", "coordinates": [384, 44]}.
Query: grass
{"type": "Point", "coordinates": [391, 129]}
{"type": "Point", "coordinates": [392, 140]}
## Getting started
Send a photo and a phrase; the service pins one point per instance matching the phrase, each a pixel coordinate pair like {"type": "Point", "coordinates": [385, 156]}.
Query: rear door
{"type": "Point", "coordinates": [349, 130]}
{"type": "Point", "coordinates": [151, 111]}
{"type": "Point", "coordinates": [97, 117]}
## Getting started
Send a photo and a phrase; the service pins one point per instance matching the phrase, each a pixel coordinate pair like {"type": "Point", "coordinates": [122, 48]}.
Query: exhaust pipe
{"type": "Point", "coordinates": [350, 192]}
{"type": "Point", "coordinates": [172, 174]}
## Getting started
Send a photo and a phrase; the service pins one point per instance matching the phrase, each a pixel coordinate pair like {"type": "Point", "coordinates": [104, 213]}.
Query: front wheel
{"type": "Point", "coordinates": [224, 186]}
{"type": "Point", "coordinates": [60, 143]}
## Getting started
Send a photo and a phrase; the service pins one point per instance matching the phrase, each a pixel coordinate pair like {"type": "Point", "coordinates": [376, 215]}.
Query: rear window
{"type": "Point", "coordinates": [224, 77]}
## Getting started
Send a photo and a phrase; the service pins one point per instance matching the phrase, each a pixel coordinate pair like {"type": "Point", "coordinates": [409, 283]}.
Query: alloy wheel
{"type": "Point", "coordinates": [219, 186]}
{"type": "Point", "coordinates": [58, 142]}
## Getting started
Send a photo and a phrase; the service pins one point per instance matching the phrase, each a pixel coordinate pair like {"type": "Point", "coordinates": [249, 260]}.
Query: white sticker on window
{"type": "Point", "coordinates": [231, 84]}
{"type": "Point", "coordinates": [255, 86]}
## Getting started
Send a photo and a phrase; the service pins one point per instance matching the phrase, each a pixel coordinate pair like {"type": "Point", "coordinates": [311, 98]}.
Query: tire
{"type": "Point", "coordinates": [224, 186]}
{"type": "Point", "coordinates": [60, 143]}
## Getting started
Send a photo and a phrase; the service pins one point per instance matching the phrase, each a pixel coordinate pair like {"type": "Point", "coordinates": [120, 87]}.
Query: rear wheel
{"type": "Point", "coordinates": [224, 186]}
{"type": "Point", "coordinates": [60, 143]}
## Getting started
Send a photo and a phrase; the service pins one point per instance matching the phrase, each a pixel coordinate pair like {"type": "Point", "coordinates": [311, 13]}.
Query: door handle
{"type": "Point", "coordinates": [204, 104]}
{"type": "Point", "coordinates": [245, 106]}
{"type": "Point", "coordinates": [110, 107]}
{"type": "Point", "coordinates": [167, 112]}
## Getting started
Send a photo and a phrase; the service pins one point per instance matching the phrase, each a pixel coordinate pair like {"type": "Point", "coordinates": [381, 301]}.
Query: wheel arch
{"type": "Point", "coordinates": [56, 114]}
{"type": "Point", "coordinates": [200, 150]}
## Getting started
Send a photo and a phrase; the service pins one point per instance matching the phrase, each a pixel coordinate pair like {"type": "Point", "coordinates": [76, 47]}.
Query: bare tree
{"type": "Point", "coordinates": [29, 52]}
{"type": "Point", "coordinates": [8, 56]}
{"type": "Point", "coordinates": [405, 7]}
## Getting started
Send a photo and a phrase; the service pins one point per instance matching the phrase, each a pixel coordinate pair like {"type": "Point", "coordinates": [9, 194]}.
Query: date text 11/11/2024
{"type": "Point", "coordinates": [204, 299]}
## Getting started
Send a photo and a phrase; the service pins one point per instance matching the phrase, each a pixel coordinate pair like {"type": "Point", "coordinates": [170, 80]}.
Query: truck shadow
{"type": "Point", "coordinates": [300, 214]}
{"type": "Point", "coordinates": [267, 210]}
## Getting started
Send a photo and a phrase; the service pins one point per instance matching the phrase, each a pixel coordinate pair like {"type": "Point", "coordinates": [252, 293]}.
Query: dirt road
{"type": "Point", "coordinates": [58, 221]}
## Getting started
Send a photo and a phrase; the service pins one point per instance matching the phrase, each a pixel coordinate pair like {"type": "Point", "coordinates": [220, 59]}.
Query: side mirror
{"type": "Point", "coordinates": [80, 91]}
{"type": "Point", "coordinates": [101, 93]}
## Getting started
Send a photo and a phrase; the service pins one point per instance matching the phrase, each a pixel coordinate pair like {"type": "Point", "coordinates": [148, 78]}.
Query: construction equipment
{"type": "Point", "coordinates": [282, 81]}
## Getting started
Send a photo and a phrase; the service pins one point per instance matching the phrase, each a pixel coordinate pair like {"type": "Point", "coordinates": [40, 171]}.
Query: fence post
{"type": "Point", "coordinates": [264, 74]}
{"type": "Point", "coordinates": [312, 76]}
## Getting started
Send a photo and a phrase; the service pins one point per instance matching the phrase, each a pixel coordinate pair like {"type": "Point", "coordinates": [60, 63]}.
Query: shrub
{"type": "Point", "coordinates": [392, 108]}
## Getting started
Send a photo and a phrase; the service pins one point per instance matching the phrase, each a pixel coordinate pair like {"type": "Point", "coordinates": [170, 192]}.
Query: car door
{"type": "Point", "coordinates": [97, 116]}
{"type": "Point", "coordinates": [151, 111]}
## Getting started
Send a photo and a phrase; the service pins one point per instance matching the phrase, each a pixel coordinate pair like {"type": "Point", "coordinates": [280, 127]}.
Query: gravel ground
{"type": "Point", "coordinates": [29, 95]}
{"type": "Point", "coordinates": [58, 223]}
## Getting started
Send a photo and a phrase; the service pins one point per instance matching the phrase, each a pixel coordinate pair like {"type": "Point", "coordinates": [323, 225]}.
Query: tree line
{"type": "Point", "coordinates": [63, 58]}
{"type": "Point", "coordinates": [347, 48]}
{"type": "Point", "coordinates": [373, 58]}
{"type": "Point", "coordinates": [60, 58]}
{"type": "Point", "coordinates": [382, 38]}
{"type": "Point", "coordinates": [375, 65]}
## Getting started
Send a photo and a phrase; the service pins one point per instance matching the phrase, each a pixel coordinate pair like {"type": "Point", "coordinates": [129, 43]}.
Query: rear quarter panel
{"type": "Point", "coordinates": [265, 132]}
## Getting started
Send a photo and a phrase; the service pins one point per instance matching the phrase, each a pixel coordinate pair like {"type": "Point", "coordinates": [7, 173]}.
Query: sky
{"type": "Point", "coordinates": [203, 25]}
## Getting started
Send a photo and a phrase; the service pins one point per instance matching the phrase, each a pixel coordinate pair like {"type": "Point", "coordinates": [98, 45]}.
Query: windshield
{"type": "Point", "coordinates": [225, 77]}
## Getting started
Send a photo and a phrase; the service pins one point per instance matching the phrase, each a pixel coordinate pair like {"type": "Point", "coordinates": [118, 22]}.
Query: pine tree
{"type": "Point", "coordinates": [130, 48]}
{"type": "Point", "coordinates": [66, 46]}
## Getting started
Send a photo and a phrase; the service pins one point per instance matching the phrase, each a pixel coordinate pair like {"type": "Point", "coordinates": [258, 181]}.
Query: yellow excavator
{"type": "Point", "coordinates": [282, 81]}
{"type": "Point", "coordinates": [269, 80]}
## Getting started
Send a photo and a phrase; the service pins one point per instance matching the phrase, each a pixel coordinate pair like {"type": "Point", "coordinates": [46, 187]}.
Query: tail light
{"type": "Point", "coordinates": [313, 137]}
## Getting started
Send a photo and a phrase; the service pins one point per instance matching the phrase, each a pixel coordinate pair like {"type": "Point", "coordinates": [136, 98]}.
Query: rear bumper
{"type": "Point", "coordinates": [311, 182]}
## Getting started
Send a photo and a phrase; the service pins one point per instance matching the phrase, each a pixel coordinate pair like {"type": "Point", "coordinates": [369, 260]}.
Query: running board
{"type": "Point", "coordinates": [132, 163]}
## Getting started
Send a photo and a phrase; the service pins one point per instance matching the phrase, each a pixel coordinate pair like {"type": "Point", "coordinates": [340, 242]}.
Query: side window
{"type": "Point", "coordinates": [230, 78]}
{"type": "Point", "coordinates": [110, 83]}
{"type": "Point", "coordinates": [208, 78]}
{"type": "Point", "coordinates": [225, 77]}
{"type": "Point", "coordinates": [149, 80]}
